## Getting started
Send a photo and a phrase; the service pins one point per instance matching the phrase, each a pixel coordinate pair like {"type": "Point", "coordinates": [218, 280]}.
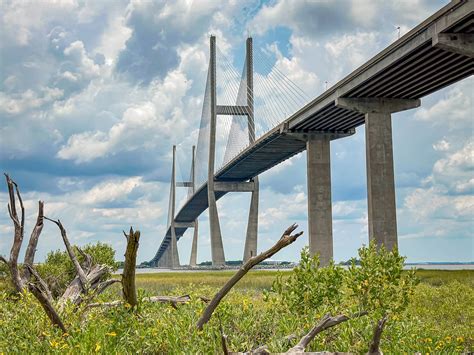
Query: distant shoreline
{"type": "Point", "coordinates": [425, 266]}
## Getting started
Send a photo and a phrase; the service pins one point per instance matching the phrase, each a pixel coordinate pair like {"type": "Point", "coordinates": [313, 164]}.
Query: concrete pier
{"type": "Point", "coordinates": [319, 197]}
{"type": "Point", "coordinates": [382, 212]}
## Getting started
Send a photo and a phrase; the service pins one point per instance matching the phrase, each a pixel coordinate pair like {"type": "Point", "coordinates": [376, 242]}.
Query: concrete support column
{"type": "Point", "coordinates": [217, 248]}
{"type": "Point", "coordinates": [319, 197]}
{"type": "Point", "coordinates": [380, 180]}
{"type": "Point", "coordinates": [382, 212]}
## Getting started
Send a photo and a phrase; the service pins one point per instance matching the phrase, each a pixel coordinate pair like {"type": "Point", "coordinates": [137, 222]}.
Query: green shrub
{"type": "Point", "coordinates": [58, 270]}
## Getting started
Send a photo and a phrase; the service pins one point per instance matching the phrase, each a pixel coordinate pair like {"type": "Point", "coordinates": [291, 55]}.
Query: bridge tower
{"type": "Point", "coordinates": [252, 186]}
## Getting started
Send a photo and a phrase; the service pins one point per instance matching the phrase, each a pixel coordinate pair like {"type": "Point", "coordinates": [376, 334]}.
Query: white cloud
{"type": "Point", "coordinates": [146, 125]}
{"type": "Point", "coordinates": [455, 109]}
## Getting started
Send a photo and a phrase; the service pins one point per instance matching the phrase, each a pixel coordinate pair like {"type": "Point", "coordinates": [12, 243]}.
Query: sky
{"type": "Point", "coordinates": [93, 94]}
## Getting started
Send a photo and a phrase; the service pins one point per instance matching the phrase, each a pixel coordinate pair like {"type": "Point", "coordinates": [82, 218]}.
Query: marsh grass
{"type": "Point", "coordinates": [439, 319]}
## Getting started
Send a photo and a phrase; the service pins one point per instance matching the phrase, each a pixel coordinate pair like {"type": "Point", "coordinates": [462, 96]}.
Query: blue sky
{"type": "Point", "coordinates": [93, 94]}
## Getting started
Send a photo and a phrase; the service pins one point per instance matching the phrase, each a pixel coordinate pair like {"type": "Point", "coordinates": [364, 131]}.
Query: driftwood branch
{"type": "Point", "coordinates": [225, 349]}
{"type": "Point", "coordinates": [41, 291]}
{"type": "Point", "coordinates": [374, 347]}
{"type": "Point", "coordinates": [174, 301]}
{"type": "Point", "coordinates": [33, 243]}
{"type": "Point", "coordinates": [285, 240]}
{"type": "Point", "coordinates": [326, 322]}
{"type": "Point", "coordinates": [128, 277]}
{"type": "Point", "coordinates": [79, 271]}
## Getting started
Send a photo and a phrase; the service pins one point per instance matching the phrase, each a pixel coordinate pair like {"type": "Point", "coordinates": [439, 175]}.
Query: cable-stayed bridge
{"type": "Point", "coordinates": [267, 119]}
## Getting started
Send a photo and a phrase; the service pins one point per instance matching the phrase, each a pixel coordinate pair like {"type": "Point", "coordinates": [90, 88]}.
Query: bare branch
{"type": "Point", "coordinates": [378, 329]}
{"type": "Point", "coordinates": [326, 322]}
{"type": "Point", "coordinates": [22, 208]}
{"type": "Point", "coordinates": [285, 240]}
{"type": "Point", "coordinates": [42, 293]}
{"type": "Point", "coordinates": [47, 306]}
{"type": "Point", "coordinates": [41, 282]}
{"type": "Point", "coordinates": [103, 286]}
{"type": "Point", "coordinates": [72, 255]}
{"type": "Point", "coordinates": [3, 259]}
{"type": "Point", "coordinates": [174, 301]}
{"type": "Point", "coordinates": [223, 339]}
{"type": "Point", "coordinates": [87, 259]}
{"type": "Point", "coordinates": [32, 244]}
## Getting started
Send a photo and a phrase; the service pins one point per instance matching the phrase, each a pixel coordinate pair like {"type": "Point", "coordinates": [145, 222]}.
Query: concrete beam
{"type": "Point", "coordinates": [319, 198]}
{"type": "Point", "coordinates": [380, 105]}
{"type": "Point", "coordinates": [228, 186]}
{"type": "Point", "coordinates": [461, 43]}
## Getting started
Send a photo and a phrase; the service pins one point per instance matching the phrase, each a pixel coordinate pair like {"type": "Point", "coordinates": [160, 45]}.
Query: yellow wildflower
{"type": "Point", "coordinates": [460, 339]}
{"type": "Point", "coordinates": [97, 347]}
{"type": "Point", "coordinates": [111, 334]}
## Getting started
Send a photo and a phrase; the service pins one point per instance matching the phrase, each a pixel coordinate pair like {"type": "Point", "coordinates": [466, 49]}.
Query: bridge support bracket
{"type": "Point", "coordinates": [461, 43]}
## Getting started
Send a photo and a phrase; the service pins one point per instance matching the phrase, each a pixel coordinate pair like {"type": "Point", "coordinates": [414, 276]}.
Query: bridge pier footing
{"type": "Point", "coordinates": [319, 197]}
{"type": "Point", "coordinates": [382, 212]}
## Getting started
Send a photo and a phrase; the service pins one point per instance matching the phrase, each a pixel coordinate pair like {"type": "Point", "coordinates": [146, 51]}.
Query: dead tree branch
{"type": "Point", "coordinates": [128, 276]}
{"type": "Point", "coordinates": [42, 293]}
{"type": "Point", "coordinates": [79, 271]}
{"type": "Point", "coordinates": [174, 301]}
{"type": "Point", "coordinates": [33, 243]}
{"type": "Point", "coordinates": [326, 322]}
{"type": "Point", "coordinates": [285, 240]}
{"type": "Point", "coordinates": [374, 347]}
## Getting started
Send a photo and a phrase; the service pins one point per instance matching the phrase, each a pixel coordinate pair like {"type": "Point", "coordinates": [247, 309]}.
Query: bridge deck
{"type": "Point", "coordinates": [409, 68]}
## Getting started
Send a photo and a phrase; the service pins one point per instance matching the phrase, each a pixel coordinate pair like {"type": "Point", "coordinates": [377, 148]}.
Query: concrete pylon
{"type": "Point", "coordinates": [173, 260]}
{"type": "Point", "coordinates": [382, 213]}
{"type": "Point", "coordinates": [319, 197]}
{"type": "Point", "coordinates": [217, 248]}
{"type": "Point", "coordinates": [193, 258]}
{"type": "Point", "coordinates": [250, 248]}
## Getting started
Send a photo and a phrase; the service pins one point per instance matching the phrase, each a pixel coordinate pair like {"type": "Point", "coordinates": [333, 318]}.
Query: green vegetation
{"type": "Point", "coordinates": [437, 315]}
{"type": "Point", "coordinates": [58, 270]}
